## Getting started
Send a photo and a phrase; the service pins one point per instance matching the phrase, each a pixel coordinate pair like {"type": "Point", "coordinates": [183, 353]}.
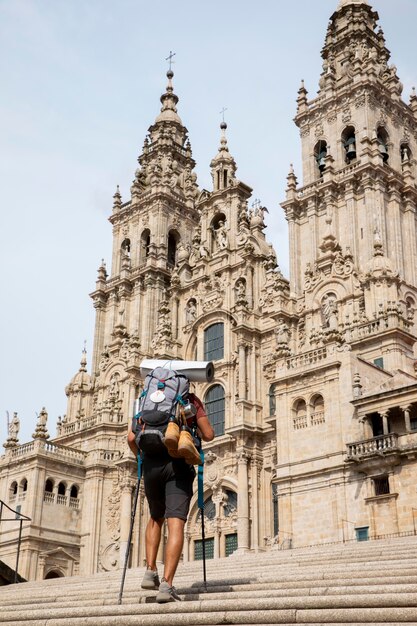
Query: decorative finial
{"type": "Point", "coordinates": [223, 124]}
{"type": "Point", "coordinates": [117, 199]}
{"type": "Point", "coordinates": [169, 59]}
{"type": "Point", "coordinates": [83, 362]}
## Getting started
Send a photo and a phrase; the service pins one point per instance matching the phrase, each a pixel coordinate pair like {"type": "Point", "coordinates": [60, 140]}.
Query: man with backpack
{"type": "Point", "coordinates": [170, 415]}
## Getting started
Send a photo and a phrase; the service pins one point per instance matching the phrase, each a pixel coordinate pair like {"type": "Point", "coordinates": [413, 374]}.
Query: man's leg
{"type": "Point", "coordinates": [152, 540]}
{"type": "Point", "coordinates": [173, 548]}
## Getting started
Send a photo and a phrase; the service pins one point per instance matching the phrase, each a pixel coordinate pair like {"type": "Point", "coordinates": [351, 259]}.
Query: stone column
{"type": "Point", "coordinates": [406, 410]}
{"type": "Point", "coordinates": [125, 518]}
{"type": "Point", "coordinates": [242, 371]}
{"type": "Point", "coordinates": [218, 499]}
{"type": "Point", "coordinates": [256, 469]}
{"type": "Point", "coordinates": [242, 502]}
{"type": "Point", "coordinates": [217, 541]}
{"type": "Point", "coordinates": [384, 416]}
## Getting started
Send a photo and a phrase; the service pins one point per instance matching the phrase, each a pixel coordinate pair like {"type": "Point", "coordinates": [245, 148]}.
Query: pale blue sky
{"type": "Point", "coordinates": [81, 81]}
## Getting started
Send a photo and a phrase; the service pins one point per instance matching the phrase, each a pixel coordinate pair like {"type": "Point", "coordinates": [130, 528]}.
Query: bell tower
{"type": "Point", "coordinates": [353, 260]}
{"type": "Point", "coordinates": [356, 208]}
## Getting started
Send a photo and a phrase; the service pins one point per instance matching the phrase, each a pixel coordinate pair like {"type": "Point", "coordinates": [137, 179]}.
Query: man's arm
{"type": "Point", "coordinates": [205, 429]}
{"type": "Point", "coordinates": [131, 441]}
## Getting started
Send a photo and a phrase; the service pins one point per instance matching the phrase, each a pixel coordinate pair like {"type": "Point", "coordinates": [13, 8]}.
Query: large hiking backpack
{"type": "Point", "coordinates": [164, 392]}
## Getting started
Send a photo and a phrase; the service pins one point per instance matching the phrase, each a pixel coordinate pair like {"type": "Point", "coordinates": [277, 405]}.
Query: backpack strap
{"type": "Point", "coordinates": [144, 393]}
{"type": "Point", "coordinates": [200, 482]}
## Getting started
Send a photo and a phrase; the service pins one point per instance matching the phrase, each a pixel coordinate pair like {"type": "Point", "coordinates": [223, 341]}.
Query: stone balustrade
{"type": "Point", "coordinates": [371, 447]}
{"type": "Point", "coordinates": [308, 358]}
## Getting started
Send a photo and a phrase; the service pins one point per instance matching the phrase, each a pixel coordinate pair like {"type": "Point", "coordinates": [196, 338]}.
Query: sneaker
{"type": "Point", "coordinates": [187, 449]}
{"type": "Point", "coordinates": [150, 580]}
{"type": "Point", "coordinates": [166, 593]}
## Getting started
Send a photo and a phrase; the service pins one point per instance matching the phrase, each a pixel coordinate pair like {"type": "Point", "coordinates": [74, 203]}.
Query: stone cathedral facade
{"type": "Point", "coordinates": [314, 400]}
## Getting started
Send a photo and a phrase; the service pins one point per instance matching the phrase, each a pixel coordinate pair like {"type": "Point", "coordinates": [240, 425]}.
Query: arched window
{"type": "Point", "coordinates": [13, 490]}
{"type": "Point", "coordinates": [126, 247]}
{"type": "Point", "coordinates": [145, 242]}
{"type": "Point", "coordinates": [320, 153]}
{"type": "Point", "coordinates": [173, 240]}
{"type": "Point", "coordinates": [62, 489]}
{"type": "Point", "coordinates": [215, 403]}
{"type": "Point", "coordinates": [300, 414]}
{"type": "Point", "coordinates": [214, 342]}
{"type": "Point", "coordinates": [317, 410]}
{"type": "Point", "coordinates": [272, 400]}
{"type": "Point", "coordinates": [23, 485]}
{"type": "Point", "coordinates": [382, 137]}
{"type": "Point", "coordinates": [53, 574]}
{"type": "Point", "coordinates": [74, 491]}
{"type": "Point", "coordinates": [405, 152]}
{"type": "Point", "coordinates": [231, 504]}
{"type": "Point", "coordinates": [349, 143]}
{"type": "Point", "coordinates": [49, 486]}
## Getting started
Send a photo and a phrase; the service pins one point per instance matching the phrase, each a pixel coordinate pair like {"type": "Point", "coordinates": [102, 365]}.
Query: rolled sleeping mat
{"type": "Point", "coordinates": [196, 371]}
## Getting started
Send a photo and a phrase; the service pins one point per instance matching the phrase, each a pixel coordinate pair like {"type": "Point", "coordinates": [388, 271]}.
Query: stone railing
{"type": "Point", "coordinates": [61, 500]}
{"type": "Point", "coordinates": [49, 497]}
{"type": "Point", "coordinates": [317, 418]}
{"type": "Point", "coordinates": [390, 319]}
{"type": "Point", "coordinates": [300, 422]}
{"type": "Point", "coordinates": [373, 447]}
{"type": "Point", "coordinates": [75, 456]}
{"type": "Point", "coordinates": [89, 422]}
{"type": "Point", "coordinates": [24, 450]}
{"type": "Point", "coordinates": [74, 503]}
{"type": "Point", "coordinates": [308, 358]}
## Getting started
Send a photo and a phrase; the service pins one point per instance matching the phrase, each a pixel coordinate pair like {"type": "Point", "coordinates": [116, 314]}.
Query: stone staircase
{"type": "Point", "coordinates": [354, 583]}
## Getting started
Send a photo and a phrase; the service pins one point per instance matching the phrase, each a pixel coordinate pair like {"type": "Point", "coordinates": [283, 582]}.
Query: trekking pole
{"type": "Point", "coordinates": [132, 521]}
{"type": "Point", "coordinates": [201, 507]}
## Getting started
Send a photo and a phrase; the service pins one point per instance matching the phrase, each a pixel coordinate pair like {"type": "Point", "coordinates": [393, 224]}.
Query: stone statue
{"type": "Point", "coordinates": [14, 427]}
{"type": "Point", "coordinates": [191, 312]}
{"type": "Point", "coordinates": [221, 236]}
{"type": "Point", "coordinates": [329, 308]}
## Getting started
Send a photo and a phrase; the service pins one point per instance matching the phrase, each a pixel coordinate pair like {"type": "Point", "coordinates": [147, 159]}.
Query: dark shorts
{"type": "Point", "coordinates": [168, 487]}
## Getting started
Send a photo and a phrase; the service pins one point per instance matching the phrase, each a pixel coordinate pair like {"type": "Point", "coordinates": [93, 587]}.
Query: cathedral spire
{"type": "Point", "coordinates": [166, 157]}
{"type": "Point", "coordinates": [169, 102]}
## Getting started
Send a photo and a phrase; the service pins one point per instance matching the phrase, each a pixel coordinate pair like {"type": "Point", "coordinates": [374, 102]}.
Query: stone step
{"type": "Point", "coordinates": [366, 585]}
{"type": "Point", "coordinates": [258, 590]}
{"type": "Point", "coordinates": [255, 611]}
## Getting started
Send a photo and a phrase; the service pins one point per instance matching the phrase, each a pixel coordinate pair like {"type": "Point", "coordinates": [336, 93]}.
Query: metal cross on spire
{"type": "Point", "coordinates": [169, 58]}
{"type": "Point", "coordinates": [256, 204]}
{"type": "Point", "coordinates": [222, 112]}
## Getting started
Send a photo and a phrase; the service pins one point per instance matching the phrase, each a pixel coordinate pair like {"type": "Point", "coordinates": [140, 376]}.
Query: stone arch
{"type": "Point", "coordinates": [145, 242]}
{"type": "Point", "coordinates": [320, 153]}
{"type": "Point", "coordinates": [173, 241]}
{"type": "Point", "coordinates": [348, 139]}
{"type": "Point", "coordinates": [54, 573]}
{"type": "Point", "coordinates": [74, 491]}
{"type": "Point", "coordinates": [215, 403]}
{"type": "Point", "coordinates": [217, 223]}
{"type": "Point", "coordinates": [126, 247]}
{"type": "Point", "coordinates": [405, 151]}
{"type": "Point", "coordinates": [383, 142]}
{"type": "Point", "coordinates": [299, 413]}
